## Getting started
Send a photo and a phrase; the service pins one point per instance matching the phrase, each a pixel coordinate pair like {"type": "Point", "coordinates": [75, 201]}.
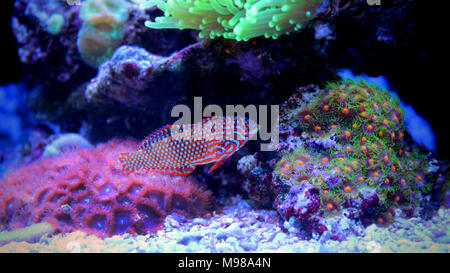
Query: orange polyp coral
{"type": "Point", "coordinates": [419, 178]}
{"type": "Point", "coordinates": [342, 95]}
{"type": "Point", "coordinates": [363, 114]}
{"type": "Point", "coordinates": [326, 107]}
{"type": "Point", "coordinates": [375, 106]}
{"type": "Point", "coordinates": [397, 198]}
{"type": "Point", "coordinates": [347, 133]}
{"type": "Point", "coordinates": [386, 158]}
{"type": "Point", "coordinates": [354, 125]}
{"type": "Point", "coordinates": [317, 128]}
{"type": "Point", "coordinates": [329, 206]}
{"type": "Point", "coordinates": [393, 168]}
{"type": "Point", "coordinates": [287, 167]}
{"type": "Point", "coordinates": [363, 148]}
{"type": "Point", "coordinates": [390, 215]}
{"type": "Point", "coordinates": [395, 119]}
{"type": "Point", "coordinates": [374, 118]}
{"type": "Point", "coordinates": [387, 181]}
{"type": "Point", "coordinates": [299, 163]}
{"type": "Point", "coordinates": [363, 139]}
{"type": "Point", "coordinates": [402, 182]}
{"type": "Point", "coordinates": [380, 220]}
{"type": "Point", "coordinates": [371, 160]}
{"type": "Point", "coordinates": [376, 174]}
{"type": "Point", "coordinates": [360, 179]}
{"type": "Point", "coordinates": [375, 146]}
{"type": "Point", "coordinates": [369, 127]}
{"type": "Point", "coordinates": [348, 148]}
{"type": "Point", "coordinates": [325, 159]}
{"type": "Point", "coordinates": [333, 126]}
{"type": "Point", "coordinates": [347, 189]}
{"type": "Point", "coordinates": [386, 122]}
{"type": "Point", "coordinates": [341, 159]}
{"type": "Point", "coordinates": [380, 133]}
{"type": "Point", "coordinates": [307, 117]}
{"type": "Point", "coordinates": [345, 111]}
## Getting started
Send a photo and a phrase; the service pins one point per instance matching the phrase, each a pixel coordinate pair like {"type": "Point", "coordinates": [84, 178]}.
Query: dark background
{"type": "Point", "coordinates": [9, 57]}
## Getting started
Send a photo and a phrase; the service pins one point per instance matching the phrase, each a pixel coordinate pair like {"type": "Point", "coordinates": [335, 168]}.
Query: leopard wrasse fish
{"type": "Point", "coordinates": [177, 149]}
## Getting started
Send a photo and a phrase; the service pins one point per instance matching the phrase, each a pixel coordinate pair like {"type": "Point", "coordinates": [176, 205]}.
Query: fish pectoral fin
{"type": "Point", "coordinates": [216, 165]}
{"type": "Point", "coordinates": [187, 170]}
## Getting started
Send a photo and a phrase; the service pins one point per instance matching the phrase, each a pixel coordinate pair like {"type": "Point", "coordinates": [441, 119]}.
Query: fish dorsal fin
{"type": "Point", "coordinates": [155, 136]}
{"type": "Point", "coordinates": [161, 133]}
{"type": "Point", "coordinates": [205, 120]}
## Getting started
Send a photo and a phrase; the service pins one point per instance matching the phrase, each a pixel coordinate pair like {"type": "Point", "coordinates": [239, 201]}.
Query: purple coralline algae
{"type": "Point", "coordinates": [127, 76]}
{"type": "Point", "coordinates": [46, 37]}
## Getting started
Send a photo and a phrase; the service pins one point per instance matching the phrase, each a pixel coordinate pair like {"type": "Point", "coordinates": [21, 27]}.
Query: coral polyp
{"type": "Point", "coordinates": [363, 124]}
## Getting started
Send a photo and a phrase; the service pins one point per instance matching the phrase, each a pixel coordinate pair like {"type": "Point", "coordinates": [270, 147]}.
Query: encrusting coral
{"type": "Point", "coordinates": [365, 156]}
{"type": "Point", "coordinates": [86, 190]}
{"type": "Point", "coordinates": [234, 19]}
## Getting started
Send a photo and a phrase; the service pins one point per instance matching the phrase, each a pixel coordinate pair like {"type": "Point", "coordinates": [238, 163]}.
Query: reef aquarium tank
{"type": "Point", "coordinates": [222, 126]}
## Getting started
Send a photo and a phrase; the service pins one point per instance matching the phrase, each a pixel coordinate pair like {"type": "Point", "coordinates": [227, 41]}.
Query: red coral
{"type": "Point", "coordinates": [86, 190]}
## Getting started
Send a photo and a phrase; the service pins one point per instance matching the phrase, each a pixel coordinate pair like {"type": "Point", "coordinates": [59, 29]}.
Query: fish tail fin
{"type": "Point", "coordinates": [127, 163]}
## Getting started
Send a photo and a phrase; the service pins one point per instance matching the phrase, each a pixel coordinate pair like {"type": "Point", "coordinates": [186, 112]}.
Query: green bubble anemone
{"type": "Point", "coordinates": [234, 19]}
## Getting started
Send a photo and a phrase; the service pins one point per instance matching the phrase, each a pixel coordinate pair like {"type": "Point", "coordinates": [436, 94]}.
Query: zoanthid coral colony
{"type": "Point", "coordinates": [86, 190]}
{"type": "Point", "coordinates": [234, 19]}
{"type": "Point", "coordinates": [368, 153]}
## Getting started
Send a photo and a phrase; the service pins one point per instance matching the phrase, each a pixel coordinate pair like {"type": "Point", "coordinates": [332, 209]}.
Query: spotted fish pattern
{"type": "Point", "coordinates": [177, 149]}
